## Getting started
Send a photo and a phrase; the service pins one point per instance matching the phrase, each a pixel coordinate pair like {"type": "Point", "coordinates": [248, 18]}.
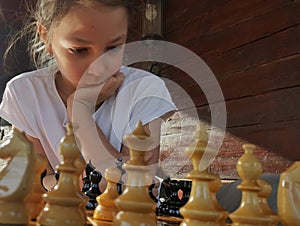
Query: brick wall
{"type": "Point", "coordinates": [177, 134]}
{"type": "Point", "coordinates": [253, 49]}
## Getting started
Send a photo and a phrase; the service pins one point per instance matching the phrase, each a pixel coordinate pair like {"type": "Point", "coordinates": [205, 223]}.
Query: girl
{"type": "Point", "coordinates": [86, 86]}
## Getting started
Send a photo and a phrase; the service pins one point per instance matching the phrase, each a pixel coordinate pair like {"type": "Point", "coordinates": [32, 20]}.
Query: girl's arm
{"type": "Point", "coordinates": [49, 181]}
{"type": "Point", "coordinates": [97, 148]}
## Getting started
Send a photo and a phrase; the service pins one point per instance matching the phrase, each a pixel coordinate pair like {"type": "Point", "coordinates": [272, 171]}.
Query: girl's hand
{"type": "Point", "coordinates": [110, 87]}
{"type": "Point", "coordinates": [91, 95]}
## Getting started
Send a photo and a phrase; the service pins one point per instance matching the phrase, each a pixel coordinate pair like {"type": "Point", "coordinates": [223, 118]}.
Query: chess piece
{"type": "Point", "coordinates": [186, 186]}
{"type": "Point", "coordinates": [153, 191]}
{"type": "Point", "coordinates": [263, 194]}
{"type": "Point", "coordinates": [135, 205]}
{"type": "Point", "coordinates": [94, 191]}
{"type": "Point", "coordinates": [164, 194]}
{"type": "Point", "coordinates": [56, 175]}
{"type": "Point", "coordinates": [34, 201]}
{"type": "Point", "coordinates": [120, 182]}
{"type": "Point", "coordinates": [80, 164]}
{"type": "Point", "coordinates": [162, 209]}
{"type": "Point", "coordinates": [288, 200]}
{"type": "Point", "coordinates": [173, 202]}
{"type": "Point", "coordinates": [86, 180]}
{"type": "Point", "coordinates": [165, 189]}
{"type": "Point", "coordinates": [64, 202]}
{"type": "Point", "coordinates": [200, 208]}
{"type": "Point", "coordinates": [249, 211]}
{"type": "Point", "coordinates": [214, 186]}
{"type": "Point", "coordinates": [43, 175]}
{"type": "Point", "coordinates": [16, 178]}
{"type": "Point", "coordinates": [107, 209]}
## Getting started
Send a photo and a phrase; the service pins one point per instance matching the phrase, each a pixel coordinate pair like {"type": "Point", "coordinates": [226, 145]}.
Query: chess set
{"type": "Point", "coordinates": [24, 200]}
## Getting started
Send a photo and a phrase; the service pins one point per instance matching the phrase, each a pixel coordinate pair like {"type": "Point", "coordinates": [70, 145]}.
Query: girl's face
{"type": "Point", "coordinates": [83, 35]}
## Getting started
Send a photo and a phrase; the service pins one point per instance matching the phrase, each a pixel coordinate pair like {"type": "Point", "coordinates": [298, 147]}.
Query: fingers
{"type": "Point", "coordinates": [119, 77]}
{"type": "Point", "coordinates": [94, 94]}
{"type": "Point", "coordinates": [111, 85]}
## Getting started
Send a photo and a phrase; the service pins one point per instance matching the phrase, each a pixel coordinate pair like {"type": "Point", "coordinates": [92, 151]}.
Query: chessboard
{"type": "Point", "coordinates": [161, 221]}
{"type": "Point", "coordinates": [191, 201]}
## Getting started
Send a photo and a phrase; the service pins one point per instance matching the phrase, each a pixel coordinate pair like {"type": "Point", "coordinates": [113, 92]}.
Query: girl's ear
{"type": "Point", "coordinates": [43, 33]}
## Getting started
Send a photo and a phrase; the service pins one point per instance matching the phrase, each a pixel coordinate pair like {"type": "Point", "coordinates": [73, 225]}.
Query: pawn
{"type": "Point", "coordinates": [263, 194]}
{"type": "Point", "coordinates": [64, 202]}
{"type": "Point", "coordinates": [135, 204]}
{"type": "Point", "coordinates": [34, 201]}
{"type": "Point", "coordinates": [200, 208]}
{"type": "Point", "coordinates": [288, 197]}
{"type": "Point", "coordinates": [214, 186]}
{"type": "Point", "coordinates": [107, 209]}
{"type": "Point", "coordinates": [249, 211]}
{"type": "Point", "coordinates": [94, 191]}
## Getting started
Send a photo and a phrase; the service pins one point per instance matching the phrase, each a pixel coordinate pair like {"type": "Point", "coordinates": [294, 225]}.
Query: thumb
{"type": "Point", "coordinates": [119, 76]}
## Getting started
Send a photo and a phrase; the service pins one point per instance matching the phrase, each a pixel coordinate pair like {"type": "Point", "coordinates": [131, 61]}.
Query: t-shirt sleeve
{"type": "Point", "coordinates": [12, 109]}
{"type": "Point", "coordinates": [151, 100]}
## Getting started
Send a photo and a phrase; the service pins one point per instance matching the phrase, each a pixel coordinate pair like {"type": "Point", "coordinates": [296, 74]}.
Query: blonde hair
{"type": "Point", "coordinates": [48, 13]}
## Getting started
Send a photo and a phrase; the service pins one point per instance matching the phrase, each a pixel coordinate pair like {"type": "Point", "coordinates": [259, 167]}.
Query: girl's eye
{"type": "Point", "coordinates": [78, 50]}
{"type": "Point", "coordinates": [113, 48]}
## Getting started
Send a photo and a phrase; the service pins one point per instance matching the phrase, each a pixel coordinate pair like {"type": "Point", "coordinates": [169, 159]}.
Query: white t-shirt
{"type": "Point", "coordinates": [32, 104]}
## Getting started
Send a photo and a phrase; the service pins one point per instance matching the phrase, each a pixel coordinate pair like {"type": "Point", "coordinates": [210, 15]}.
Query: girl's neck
{"type": "Point", "coordinates": [64, 87]}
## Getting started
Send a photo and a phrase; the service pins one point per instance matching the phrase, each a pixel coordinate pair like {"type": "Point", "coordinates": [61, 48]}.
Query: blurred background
{"type": "Point", "coordinates": [253, 49]}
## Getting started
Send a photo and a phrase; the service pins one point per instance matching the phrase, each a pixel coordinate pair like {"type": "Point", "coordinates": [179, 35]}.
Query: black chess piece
{"type": "Point", "coordinates": [165, 189]}
{"type": "Point", "coordinates": [120, 183]}
{"type": "Point", "coordinates": [186, 186]}
{"type": "Point", "coordinates": [162, 209]}
{"type": "Point", "coordinates": [164, 194]}
{"type": "Point", "coordinates": [150, 190]}
{"type": "Point", "coordinates": [94, 191]}
{"type": "Point", "coordinates": [43, 175]}
{"type": "Point", "coordinates": [173, 202]}
{"type": "Point", "coordinates": [86, 180]}
{"type": "Point", "coordinates": [56, 175]}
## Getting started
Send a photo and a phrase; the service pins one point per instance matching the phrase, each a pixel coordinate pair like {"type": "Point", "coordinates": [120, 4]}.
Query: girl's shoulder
{"type": "Point", "coordinates": [127, 70]}
{"type": "Point", "coordinates": [40, 76]}
{"type": "Point", "coordinates": [135, 74]}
